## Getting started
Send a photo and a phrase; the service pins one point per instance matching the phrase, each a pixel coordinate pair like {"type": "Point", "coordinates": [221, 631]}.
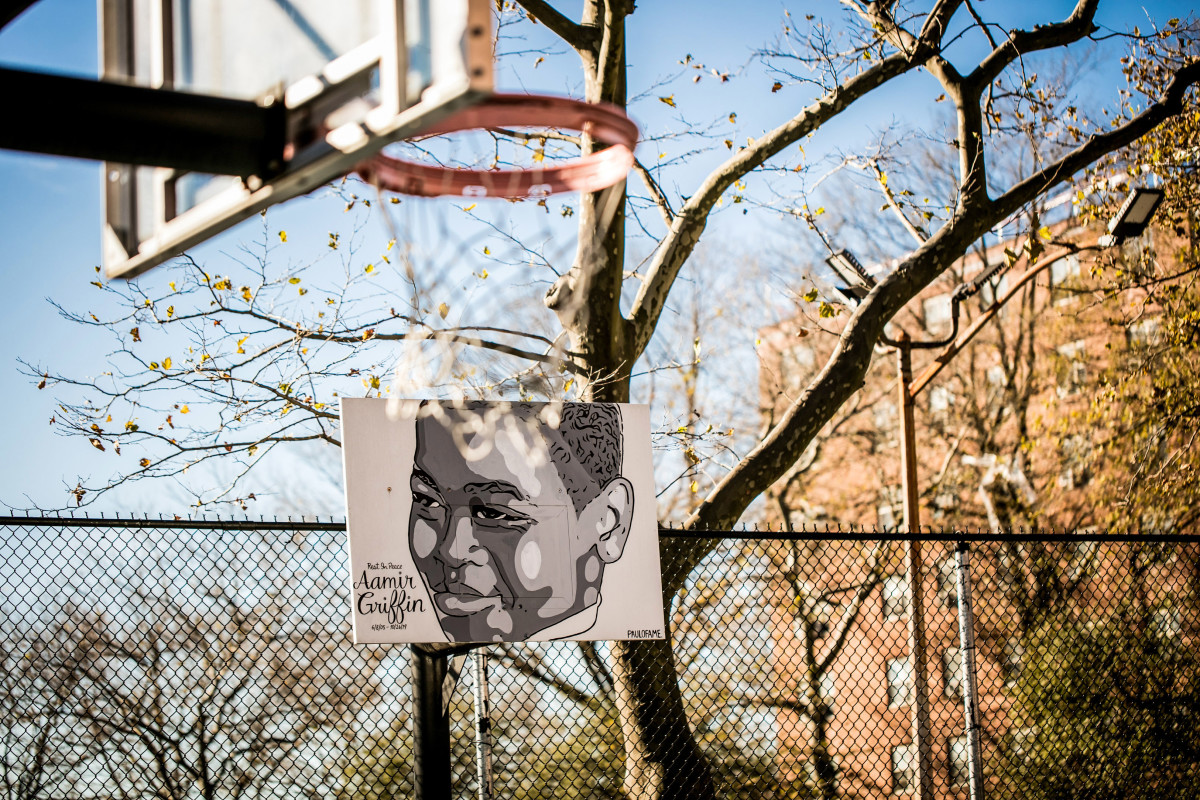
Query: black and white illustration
{"type": "Point", "coordinates": [483, 522]}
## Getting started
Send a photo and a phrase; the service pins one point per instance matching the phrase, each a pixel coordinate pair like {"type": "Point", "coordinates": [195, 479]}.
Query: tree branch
{"type": "Point", "coordinates": [843, 374]}
{"type": "Point", "coordinates": [916, 231]}
{"type": "Point", "coordinates": [580, 37]}
{"type": "Point", "coordinates": [692, 219]}
{"type": "Point", "coordinates": [1099, 145]}
{"type": "Point", "coordinates": [660, 199]}
{"type": "Point", "coordinates": [850, 615]}
{"type": "Point", "coordinates": [1042, 37]}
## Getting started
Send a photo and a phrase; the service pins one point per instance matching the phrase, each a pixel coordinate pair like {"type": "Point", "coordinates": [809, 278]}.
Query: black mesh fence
{"type": "Point", "coordinates": [170, 659]}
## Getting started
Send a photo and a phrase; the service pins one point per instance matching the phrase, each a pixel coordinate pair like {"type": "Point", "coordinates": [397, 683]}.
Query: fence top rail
{"type": "Point", "coordinates": [859, 534]}
{"type": "Point", "coordinates": [84, 520]}
{"type": "Point", "coordinates": [820, 532]}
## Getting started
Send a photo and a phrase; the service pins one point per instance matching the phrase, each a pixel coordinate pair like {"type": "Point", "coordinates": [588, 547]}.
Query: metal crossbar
{"type": "Point", "coordinates": [817, 532]}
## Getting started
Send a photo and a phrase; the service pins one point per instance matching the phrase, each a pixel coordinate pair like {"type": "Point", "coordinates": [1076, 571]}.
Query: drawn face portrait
{"type": "Point", "coordinates": [511, 530]}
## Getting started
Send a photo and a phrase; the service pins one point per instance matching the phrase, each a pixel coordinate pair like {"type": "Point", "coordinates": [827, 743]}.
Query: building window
{"type": "Point", "coordinates": [827, 686]}
{"type": "Point", "coordinates": [1071, 368]}
{"type": "Point", "coordinates": [895, 596]}
{"type": "Point", "coordinates": [1011, 658]}
{"type": "Point", "coordinates": [1076, 456]}
{"type": "Point", "coordinates": [1158, 523]}
{"type": "Point", "coordinates": [992, 290]}
{"type": "Point", "coordinates": [959, 761]}
{"type": "Point", "coordinates": [996, 377]}
{"type": "Point", "coordinates": [1006, 567]}
{"type": "Point", "coordinates": [808, 515]}
{"type": "Point", "coordinates": [936, 311]}
{"type": "Point", "coordinates": [822, 612]}
{"type": "Point", "coordinates": [948, 582]}
{"type": "Point", "coordinates": [798, 363]}
{"type": "Point", "coordinates": [887, 419]}
{"type": "Point", "coordinates": [1167, 624]}
{"type": "Point", "coordinates": [890, 506]}
{"type": "Point", "coordinates": [1142, 334]}
{"type": "Point", "coordinates": [1064, 273]}
{"type": "Point", "coordinates": [1023, 741]}
{"type": "Point", "coordinates": [997, 396]}
{"type": "Point", "coordinates": [1139, 256]}
{"type": "Point", "coordinates": [904, 768]}
{"type": "Point", "coordinates": [944, 502]}
{"type": "Point", "coordinates": [899, 682]}
{"type": "Point", "coordinates": [1082, 560]}
{"type": "Point", "coordinates": [952, 671]}
{"type": "Point", "coordinates": [940, 400]}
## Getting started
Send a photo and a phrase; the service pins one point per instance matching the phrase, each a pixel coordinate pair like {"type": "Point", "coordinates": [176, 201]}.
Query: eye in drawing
{"type": "Point", "coordinates": [424, 496]}
{"type": "Point", "coordinates": [497, 514]}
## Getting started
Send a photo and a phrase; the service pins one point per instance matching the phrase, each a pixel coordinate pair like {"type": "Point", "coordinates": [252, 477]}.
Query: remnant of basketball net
{"type": "Point", "coordinates": [604, 123]}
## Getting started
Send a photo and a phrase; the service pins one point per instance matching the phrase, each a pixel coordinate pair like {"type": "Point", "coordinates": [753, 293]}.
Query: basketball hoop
{"type": "Point", "coordinates": [603, 122]}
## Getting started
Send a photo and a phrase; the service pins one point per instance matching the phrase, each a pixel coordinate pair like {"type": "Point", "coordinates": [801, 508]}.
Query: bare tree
{"type": "Point", "coordinates": [224, 674]}
{"type": "Point", "coordinates": [39, 744]}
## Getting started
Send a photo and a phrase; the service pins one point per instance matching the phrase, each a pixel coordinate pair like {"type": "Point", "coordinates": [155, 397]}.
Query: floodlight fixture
{"type": "Point", "coordinates": [857, 281]}
{"type": "Point", "coordinates": [972, 287]}
{"type": "Point", "coordinates": [1134, 214]}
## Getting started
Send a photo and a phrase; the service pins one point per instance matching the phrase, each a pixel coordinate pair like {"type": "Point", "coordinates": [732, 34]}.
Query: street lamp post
{"type": "Point", "coordinates": [858, 283]}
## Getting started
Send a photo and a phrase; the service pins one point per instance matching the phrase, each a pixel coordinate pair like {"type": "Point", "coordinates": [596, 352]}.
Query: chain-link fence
{"type": "Point", "coordinates": [172, 659]}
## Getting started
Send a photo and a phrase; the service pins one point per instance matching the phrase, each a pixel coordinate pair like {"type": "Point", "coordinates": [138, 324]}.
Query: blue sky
{"type": "Point", "coordinates": [50, 214]}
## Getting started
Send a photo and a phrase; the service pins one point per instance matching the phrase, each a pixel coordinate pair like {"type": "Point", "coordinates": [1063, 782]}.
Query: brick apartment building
{"type": "Point", "coordinates": [1013, 402]}
{"type": "Point", "coordinates": [1005, 418]}
{"type": "Point", "coordinates": [867, 688]}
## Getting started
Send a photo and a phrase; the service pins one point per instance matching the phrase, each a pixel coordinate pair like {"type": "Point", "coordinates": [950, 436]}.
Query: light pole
{"type": "Point", "coordinates": [858, 284]}
{"type": "Point", "coordinates": [1130, 220]}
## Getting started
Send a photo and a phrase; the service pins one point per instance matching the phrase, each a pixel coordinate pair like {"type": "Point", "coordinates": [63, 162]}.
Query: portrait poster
{"type": "Point", "coordinates": [481, 522]}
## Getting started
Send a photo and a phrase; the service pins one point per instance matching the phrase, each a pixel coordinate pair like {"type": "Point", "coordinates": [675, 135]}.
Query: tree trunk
{"type": "Point", "coordinates": [824, 771]}
{"type": "Point", "coordinates": [662, 760]}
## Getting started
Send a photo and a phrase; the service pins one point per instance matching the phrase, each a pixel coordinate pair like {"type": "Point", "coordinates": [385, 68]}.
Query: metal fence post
{"type": "Point", "coordinates": [431, 727]}
{"type": "Point", "coordinates": [966, 642]}
{"type": "Point", "coordinates": [483, 727]}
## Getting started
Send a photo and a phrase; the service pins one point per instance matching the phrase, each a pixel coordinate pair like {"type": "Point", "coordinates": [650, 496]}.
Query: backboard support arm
{"type": "Point", "coordinates": [139, 125]}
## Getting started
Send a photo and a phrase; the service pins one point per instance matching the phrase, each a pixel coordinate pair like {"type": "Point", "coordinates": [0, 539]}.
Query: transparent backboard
{"type": "Point", "coordinates": [353, 75]}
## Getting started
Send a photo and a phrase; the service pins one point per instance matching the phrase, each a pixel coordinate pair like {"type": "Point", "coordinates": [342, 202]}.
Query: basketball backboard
{"type": "Point", "coordinates": [350, 77]}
